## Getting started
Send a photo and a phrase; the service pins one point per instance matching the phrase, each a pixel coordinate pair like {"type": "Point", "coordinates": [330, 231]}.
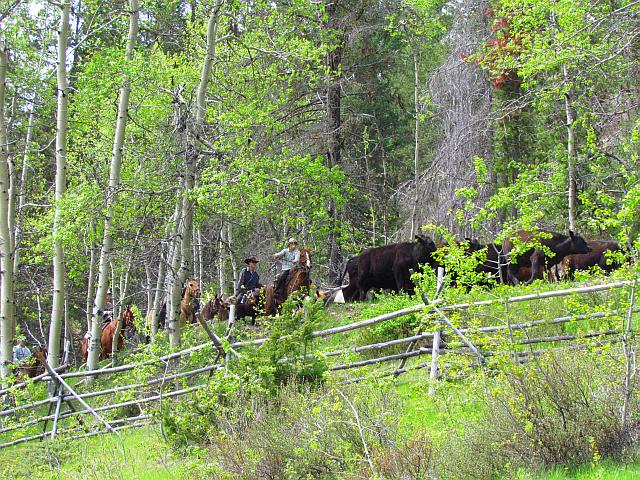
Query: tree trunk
{"type": "Point", "coordinates": [91, 285]}
{"type": "Point", "coordinates": [199, 255]}
{"type": "Point", "coordinates": [7, 325]}
{"type": "Point", "coordinates": [157, 298]}
{"type": "Point", "coordinates": [416, 151]}
{"type": "Point", "coordinates": [183, 255]}
{"type": "Point", "coordinates": [334, 134]}
{"type": "Point", "coordinates": [571, 152]}
{"type": "Point", "coordinates": [172, 320]}
{"type": "Point", "coordinates": [221, 271]}
{"type": "Point", "coordinates": [17, 235]}
{"type": "Point", "coordinates": [59, 274]}
{"type": "Point", "coordinates": [112, 194]}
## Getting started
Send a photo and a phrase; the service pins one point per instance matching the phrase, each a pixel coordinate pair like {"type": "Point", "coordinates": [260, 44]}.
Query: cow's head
{"type": "Point", "coordinates": [427, 242]}
{"type": "Point", "coordinates": [578, 244]}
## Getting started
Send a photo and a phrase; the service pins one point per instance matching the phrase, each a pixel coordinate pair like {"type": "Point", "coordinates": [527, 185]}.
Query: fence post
{"type": "Point", "coordinates": [228, 335]}
{"type": "Point", "coordinates": [435, 347]}
{"type": "Point", "coordinates": [412, 345]}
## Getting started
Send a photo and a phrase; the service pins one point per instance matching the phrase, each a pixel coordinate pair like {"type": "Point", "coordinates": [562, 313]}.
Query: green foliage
{"type": "Point", "coordinates": [390, 329]}
{"type": "Point", "coordinates": [559, 410]}
{"type": "Point", "coordinates": [288, 353]}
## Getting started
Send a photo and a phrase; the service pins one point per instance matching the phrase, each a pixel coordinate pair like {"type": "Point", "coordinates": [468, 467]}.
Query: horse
{"type": "Point", "coordinates": [108, 332]}
{"type": "Point", "coordinates": [219, 307]}
{"type": "Point", "coordinates": [297, 280]}
{"type": "Point", "coordinates": [34, 366]}
{"type": "Point", "coordinates": [190, 293]}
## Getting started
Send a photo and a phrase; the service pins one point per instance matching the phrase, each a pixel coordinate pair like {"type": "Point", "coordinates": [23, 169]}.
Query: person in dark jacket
{"type": "Point", "coordinates": [249, 279]}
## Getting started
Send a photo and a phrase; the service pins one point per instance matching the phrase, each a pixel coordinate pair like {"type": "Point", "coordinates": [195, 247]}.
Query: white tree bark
{"type": "Point", "coordinates": [59, 274]}
{"type": "Point", "coordinates": [571, 152]}
{"type": "Point", "coordinates": [172, 321]}
{"type": "Point", "coordinates": [112, 194]}
{"type": "Point", "coordinates": [17, 235]}
{"type": "Point", "coordinates": [183, 255]}
{"type": "Point", "coordinates": [157, 298]}
{"type": "Point", "coordinates": [416, 151]}
{"type": "Point", "coordinates": [7, 326]}
{"type": "Point", "coordinates": [91, 285]}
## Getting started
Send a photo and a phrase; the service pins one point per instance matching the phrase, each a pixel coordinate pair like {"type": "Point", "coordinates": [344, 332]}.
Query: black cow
{"type": "Point", "coordinates": [596, 257]}
{"type": "Point", "coordinates": [561, 245]}
{"type": "Point", "coordinates": [389, 267]}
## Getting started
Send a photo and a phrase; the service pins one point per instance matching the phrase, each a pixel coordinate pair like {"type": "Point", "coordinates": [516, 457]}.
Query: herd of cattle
{"type": "Point", "coordinates": [390, 267]}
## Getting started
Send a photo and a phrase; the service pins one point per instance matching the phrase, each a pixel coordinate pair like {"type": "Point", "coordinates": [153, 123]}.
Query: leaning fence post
{"type": "Point", "coordinates": [435, 350]}
{"type": "Point", "coordinates": [232, 319]}
{"type": "Point", "coordinates": [54, 428]}
{"type": "Point", "coordinates": [412, 345]}
{"type": "Point", "coordinates": [435, 347]}
{"type": "Point", "coordinates": [64, 384]}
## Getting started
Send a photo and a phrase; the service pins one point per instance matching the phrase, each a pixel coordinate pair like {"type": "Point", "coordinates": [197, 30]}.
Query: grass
{"type": "Point", "coordinates": [137, 454]}
{"type": "Point", "coordinates": [143, 454]}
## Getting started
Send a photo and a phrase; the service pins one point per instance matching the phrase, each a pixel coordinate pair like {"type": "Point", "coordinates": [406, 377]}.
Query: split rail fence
{"type": "Point", "coordinates": [471, 341]}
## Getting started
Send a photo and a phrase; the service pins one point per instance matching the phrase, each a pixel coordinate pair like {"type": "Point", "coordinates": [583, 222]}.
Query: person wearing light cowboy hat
{"type": "Point", "coordinates": [289, 258]}
{"type": "Point", "coordinates": [249, 279]}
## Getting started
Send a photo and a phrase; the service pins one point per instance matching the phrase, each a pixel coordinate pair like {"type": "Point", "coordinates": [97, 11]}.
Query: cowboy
{"type": "Point", "coordinates": [289, 258]}
{"type": "Point", "coordinates": [249, 279]}
{"type": "Point", "coordinates": [21, 353]}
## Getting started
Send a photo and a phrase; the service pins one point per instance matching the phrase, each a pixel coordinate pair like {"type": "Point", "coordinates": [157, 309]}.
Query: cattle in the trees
{"type": "Point", "coordinates": [390, 267]}
{"type": "Point", "coordinates": [561, 246]}
{"type": "Point", "coordinates": [596, 257]}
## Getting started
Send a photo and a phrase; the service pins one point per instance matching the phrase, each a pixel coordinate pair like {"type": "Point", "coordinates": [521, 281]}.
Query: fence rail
{"type": "Point", "coordinates": [65, 395]}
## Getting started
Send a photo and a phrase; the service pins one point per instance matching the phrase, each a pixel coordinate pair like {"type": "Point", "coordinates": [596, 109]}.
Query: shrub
{"type": "Point", "coordinates": [560, 410]}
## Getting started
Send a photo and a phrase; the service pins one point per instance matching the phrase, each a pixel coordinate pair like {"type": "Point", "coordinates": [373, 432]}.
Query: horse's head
{"type": "Point", "coordinates": [127, 319]}
{"type": "Point", "coordinates": [192, 289]}
{"type": "Point", "coordinates": [305, 259]}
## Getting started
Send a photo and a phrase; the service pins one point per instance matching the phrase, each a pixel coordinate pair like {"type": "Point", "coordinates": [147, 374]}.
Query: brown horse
{"type": "Point", "coordinates": [34, 366]}
{"type": "Point", "coordinates": [190, 293]}
{"type": "Point", "coordinates": [108, 332]}
{"type": "Point", "coordinates": [297, 280]}
{"type": "Point", "coordinates": [219, 307]}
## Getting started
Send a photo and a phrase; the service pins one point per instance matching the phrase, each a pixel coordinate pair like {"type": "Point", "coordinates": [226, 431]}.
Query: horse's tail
{"type": "Point", "coordinates": [269, 300]}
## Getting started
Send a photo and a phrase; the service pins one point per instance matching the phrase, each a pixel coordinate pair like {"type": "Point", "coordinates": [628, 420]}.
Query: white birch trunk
{"type": "Point", "coordinates": [191, 156]}
{"type": "Point", "coordinates": [7, 326]}
{"type": "Point", "coordinates": [221, 279]}
{"type": "Point", "coordinates": [416, 151]}
{"type": "Point", "coordinates": [111, 197]}
{"type": "Point", "coordinates": [199, 256]}
{"type": "Point", "coordinates": [571, 153]}
{"type": "Point", "coordinates": [172, 320]}
{"type": "Point", "coordinates": [59, 274]}
{"type": "Point", "coordinates": [91, 285]}
{"type": "Point", "coordinates": [17, 235]}
{"type": "Point", "coordinates": [157, 299]}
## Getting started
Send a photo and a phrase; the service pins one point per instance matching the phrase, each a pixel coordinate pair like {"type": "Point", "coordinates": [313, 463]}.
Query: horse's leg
{"type": "Point", "coordinates": [537, 261]}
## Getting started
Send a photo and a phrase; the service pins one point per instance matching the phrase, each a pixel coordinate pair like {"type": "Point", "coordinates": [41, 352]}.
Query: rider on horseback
{"type": "Point", "coordinates": [249, 280]}
{"type": "Point", "coordinates": [290, 257]}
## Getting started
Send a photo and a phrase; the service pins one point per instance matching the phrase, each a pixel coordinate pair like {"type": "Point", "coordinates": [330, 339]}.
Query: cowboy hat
{"type": "Point", "coordinates": [251, 259]}
{"type": "Point", "coordinates": [293, 240]}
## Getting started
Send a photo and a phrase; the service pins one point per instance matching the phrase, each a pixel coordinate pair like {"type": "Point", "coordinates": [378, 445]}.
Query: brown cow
{"type": "Point", "coordinates": [596, 257]}
{"type": "Point", "coordinates": [561, 245]}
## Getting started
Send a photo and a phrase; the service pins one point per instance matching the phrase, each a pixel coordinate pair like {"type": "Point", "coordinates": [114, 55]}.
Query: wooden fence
{"type": "Point", "coordinates": [459, 343]}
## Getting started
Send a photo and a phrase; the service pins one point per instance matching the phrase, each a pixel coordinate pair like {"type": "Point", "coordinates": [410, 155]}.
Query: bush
{"type": "Point", "coordinates": [560, 410]}
{"type": "Point", "coordinates": [326, 433]}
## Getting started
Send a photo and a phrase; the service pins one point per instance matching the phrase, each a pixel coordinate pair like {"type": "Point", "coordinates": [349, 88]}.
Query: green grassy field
{"type": "Point", "coordinates": [144, 453]}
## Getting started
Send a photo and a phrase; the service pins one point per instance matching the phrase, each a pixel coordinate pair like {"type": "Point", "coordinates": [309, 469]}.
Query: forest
{"type": "Point", "coordinates": [149, 149]}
